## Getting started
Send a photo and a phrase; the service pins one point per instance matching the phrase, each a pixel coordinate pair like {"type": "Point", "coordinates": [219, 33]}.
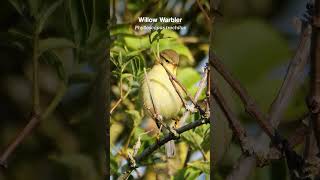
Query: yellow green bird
{"type": "Point", "coordinates": [159, 93]}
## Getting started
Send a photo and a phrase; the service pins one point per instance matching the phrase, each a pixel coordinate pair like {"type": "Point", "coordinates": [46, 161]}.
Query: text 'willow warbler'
{"type": "Point", "coordinates": [159, 93]}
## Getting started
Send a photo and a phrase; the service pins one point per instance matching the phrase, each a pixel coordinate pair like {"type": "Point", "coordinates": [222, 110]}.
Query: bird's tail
{"type": "Point", "coordinates": [170, 149]}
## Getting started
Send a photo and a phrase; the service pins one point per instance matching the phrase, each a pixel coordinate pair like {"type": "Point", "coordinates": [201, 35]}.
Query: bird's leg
{"type": "Point", "coordinates": [173, 128]}
{"type": "Point", "coordinates": [174, 132]}
{"type": "Point", "coordinates": [157, 118]}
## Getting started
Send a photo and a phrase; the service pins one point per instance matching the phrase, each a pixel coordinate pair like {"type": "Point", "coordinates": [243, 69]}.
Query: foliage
{"type": "Point", "coordinates": [131, 52]}
{"type": "Point", "coordinates": [69, 42]}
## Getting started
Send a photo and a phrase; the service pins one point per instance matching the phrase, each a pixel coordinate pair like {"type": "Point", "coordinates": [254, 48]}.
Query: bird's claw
{"type": "Point", "coordinates": [190, 107]}
{"type": "Point", "coordinates": [174, 132]}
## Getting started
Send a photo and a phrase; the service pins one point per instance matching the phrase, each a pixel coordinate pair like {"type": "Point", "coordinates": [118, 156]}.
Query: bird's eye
{"type": "Point", "coordinates": [167, 60]}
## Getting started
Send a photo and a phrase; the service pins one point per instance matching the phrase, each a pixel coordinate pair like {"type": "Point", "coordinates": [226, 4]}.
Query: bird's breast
{"type": "Point", "coordinates": [162, 95]}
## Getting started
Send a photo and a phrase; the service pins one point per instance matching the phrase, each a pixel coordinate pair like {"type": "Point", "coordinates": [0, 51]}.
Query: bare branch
{"type": "Point", "coordinates": [204, 12]}
{"type": "Point", "coordinates": [202, 85]}
{"type": "Point", "coordinates": [234, 123]}
{"type": "Point", "coordinates": [281, 102]}
{"type": "Point", "coordinates": [290, 82]}
{"type": "Point", "coordinates": [35, 74]}
{"type": "Point", "coordinates": [149, 150]}
{"type": "Point", "coordinates": [250, 105]}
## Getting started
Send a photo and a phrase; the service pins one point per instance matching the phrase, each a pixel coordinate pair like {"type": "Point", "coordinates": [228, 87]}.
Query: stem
{"type": "Point", "coordinates": [34, 121]}
{"type": "Point", "coordinates": [204, 12]}
{"type": "Point", "coordinates": [35, 76]}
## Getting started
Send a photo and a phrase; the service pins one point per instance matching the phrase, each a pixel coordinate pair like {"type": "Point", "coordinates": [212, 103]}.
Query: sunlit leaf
{"type": "Point", "coordinates": [200, 165]}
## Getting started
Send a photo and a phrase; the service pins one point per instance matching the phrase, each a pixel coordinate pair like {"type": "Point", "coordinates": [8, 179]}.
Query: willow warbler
{"type": "Point", "coordinates": [159, 93]}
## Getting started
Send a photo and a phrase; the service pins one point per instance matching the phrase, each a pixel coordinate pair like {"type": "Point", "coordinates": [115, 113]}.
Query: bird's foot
{"type": "Point", "coordinates": [190, 107]}
{"type": "Point", "coordinates": [174, 132]}
{"type": "Point", "coordinates": [176, 122]}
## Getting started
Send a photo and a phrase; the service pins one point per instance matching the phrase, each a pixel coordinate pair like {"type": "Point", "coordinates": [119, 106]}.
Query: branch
{"type": "Point", "coordinates": [237, 129]}
{"type": "Point", "coordinates": [289, 85]}
{"type": "Point", "coordinates": [34, 121]}
{"type": "Point", "coordinates": [204, 12]}
{"type": "Point", "coordinates": [149, 150]}
{"type": "Point", "coordinates": [35, 74]}
{"type": "Point", "coordinates": [281, 101]}
{"type": "Point", "coordinates": [250, 105]}
{"type": "Point", "coordinates": [202, 85]}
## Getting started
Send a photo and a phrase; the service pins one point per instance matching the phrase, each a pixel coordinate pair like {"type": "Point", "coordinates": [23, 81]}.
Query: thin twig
{"type": "Point", "coordinates": [204, 12]}
{"type": "Point", "coordinates": [35, 76]}
{"type": "Point", "coordinates": [119, 101]}
{"type": "Point", "coordinates": [250, 105]}
{"type": "Point", "coordinates": [292, 76]}
{"type": "Point", "coordinates": [202, 85]}
{"type": "Point", "coordinates": [121, 96]}
{"type": "Point", "coordinates": [237, 129]}
{"type": "Point", "coordinates": [183, 88]}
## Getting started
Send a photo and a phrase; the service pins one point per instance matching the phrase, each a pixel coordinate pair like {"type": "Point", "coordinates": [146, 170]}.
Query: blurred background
{"type": "Point", "coordinates": [256, 39]}
{"type": "Point", "coordinates": [69, 144]}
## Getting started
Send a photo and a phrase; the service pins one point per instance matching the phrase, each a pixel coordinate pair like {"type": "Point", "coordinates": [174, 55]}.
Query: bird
{"type": "Point", "coordinates": [160, 96]}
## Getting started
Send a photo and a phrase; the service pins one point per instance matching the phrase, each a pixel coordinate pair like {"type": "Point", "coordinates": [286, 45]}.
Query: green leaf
{"type": "Point", "coordinates": [193, 139]}
{"type": "Point", "coordinates": [206, 142]}
{"type": "Point", "coordinates": [170, 40]}
{"type": "Point", "coordinates": [113, 165]}
{"type": "Point", "coordinates": [19, 34]}
{"type": "Point", "coordinates": [54, 43]}
{"type": "Point", "coordinates": [200, 165]}
{"type": "Point", "coordinates": [77, 21]}
{"type": "Point", "coordinates": [189, 78]}
{"type": "Point", "coordinates": [17, 5]}
{"type": "Point", "coordinates": [135, 115]}
{"type": "Point", "coordinates": [187, 173]}
{"type": "Point", "coordinates": [46, 14]}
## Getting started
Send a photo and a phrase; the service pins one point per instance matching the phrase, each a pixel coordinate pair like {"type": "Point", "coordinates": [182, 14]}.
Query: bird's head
{"type": "Point", "coordinates": [170, 59]}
